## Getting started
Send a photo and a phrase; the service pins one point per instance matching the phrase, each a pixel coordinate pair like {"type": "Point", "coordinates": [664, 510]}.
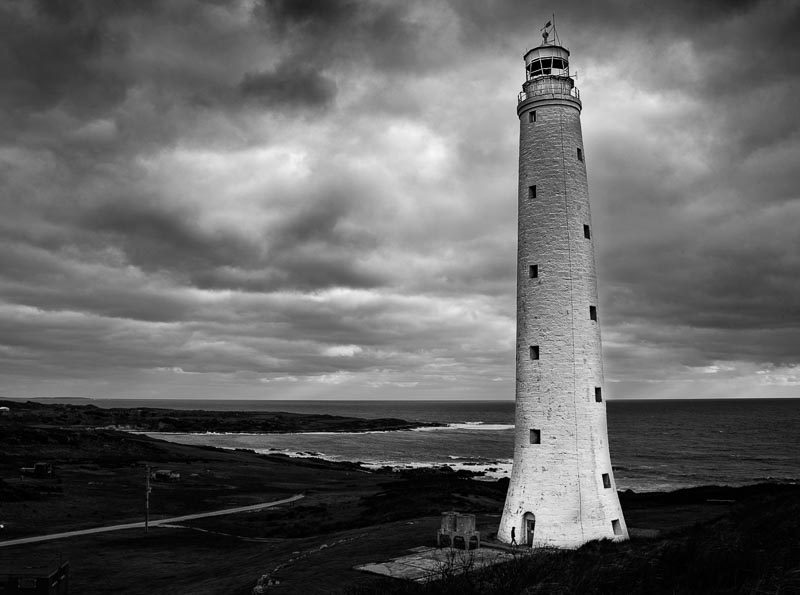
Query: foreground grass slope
{"type": "Point", "coordinates": [752, 548]}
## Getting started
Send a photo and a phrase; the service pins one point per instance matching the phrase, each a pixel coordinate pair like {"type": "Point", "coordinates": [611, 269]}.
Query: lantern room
{"type": "Point", "coordinates": [547, 60]}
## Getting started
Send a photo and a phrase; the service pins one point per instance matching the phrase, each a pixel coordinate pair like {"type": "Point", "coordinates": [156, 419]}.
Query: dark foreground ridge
{"type": "Point", "coordinates": [710, 539]}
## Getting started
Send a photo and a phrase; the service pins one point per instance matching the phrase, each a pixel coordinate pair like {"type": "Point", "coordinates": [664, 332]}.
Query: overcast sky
{"type": "Point", "coordinates": [300, 199]}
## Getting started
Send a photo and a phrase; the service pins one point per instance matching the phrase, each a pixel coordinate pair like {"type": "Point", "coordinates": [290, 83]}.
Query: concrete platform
{"type": "Point", "coordinates": [429, 563]}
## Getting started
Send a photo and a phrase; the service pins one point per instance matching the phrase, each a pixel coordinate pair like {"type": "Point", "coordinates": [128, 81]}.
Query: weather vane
{"type": "Point", "coordinates": [545, 32]}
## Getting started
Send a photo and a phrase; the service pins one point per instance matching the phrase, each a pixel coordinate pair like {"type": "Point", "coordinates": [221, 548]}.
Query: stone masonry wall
{"type": "Point", "coordinates": [560, 480]}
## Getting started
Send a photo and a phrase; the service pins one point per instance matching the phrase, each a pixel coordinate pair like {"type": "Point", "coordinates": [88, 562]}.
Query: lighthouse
{"type": "Point", "coordinates": [562, 491]}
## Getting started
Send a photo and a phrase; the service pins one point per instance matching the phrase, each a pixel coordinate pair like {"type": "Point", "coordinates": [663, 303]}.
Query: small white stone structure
{"type": "Point", "coordinates": [456, 525]}
{"type": "Point", "coordinates": [562, 491]}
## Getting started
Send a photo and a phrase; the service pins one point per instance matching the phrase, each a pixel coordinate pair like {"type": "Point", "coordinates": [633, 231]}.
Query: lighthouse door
{"type": "Point", "coordinates": [530, 524]}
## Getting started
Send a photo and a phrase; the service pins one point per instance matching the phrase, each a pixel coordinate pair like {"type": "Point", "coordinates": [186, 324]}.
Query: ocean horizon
{"type": "Point", "coordinates": [656, 445]}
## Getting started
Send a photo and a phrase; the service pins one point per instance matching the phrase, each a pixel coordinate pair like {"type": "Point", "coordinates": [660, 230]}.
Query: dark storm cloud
{"type": "Point", "coordinates": [53, 56]}
{"type": "Point", "coordinates": [323, 221]}
{"type": "Point", "coordinates": [389, 36]}
{"type": "Point", "coordinates": [51, 280]}
{"type": "Point", "coordinates": [154, 238]}
{"type": "Point", "coordinates": [289, 86]}
{"type": "Point", "coordinates": [307, 12]}
{"type": "Point", "coordinates": [598, 23]}
{"type": "Point", "coordinates": [310, 250]}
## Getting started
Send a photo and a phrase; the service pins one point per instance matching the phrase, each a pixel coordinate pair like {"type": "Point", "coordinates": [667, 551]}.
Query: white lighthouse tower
{"type": "Point", "coordinates": [562, 491]}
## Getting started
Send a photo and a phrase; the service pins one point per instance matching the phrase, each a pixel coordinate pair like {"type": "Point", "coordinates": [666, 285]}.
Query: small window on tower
{"type": "Point", "coordinates": [532, 191]}
{"type": "Point", "coordinates": [598, 394]}
{"type": "Point", "coordinates": [606, 480]}
{"type": "Point", "coordinates": [593, 313]}
{"type": "Point", "coordinates": [534, 271]}
{"type": "Point", "coordinates": [536, 436]}
{"type": "Point", "coordinates": [616, 526]}
{"type": "Point", "coordinates": [587, 233]}
{"type": "Point", "coordinates": [580, 154]}
{"type": "Point", "coordinates": [532, 116]}
{"type": "Point", "coordinates": [534, 352]}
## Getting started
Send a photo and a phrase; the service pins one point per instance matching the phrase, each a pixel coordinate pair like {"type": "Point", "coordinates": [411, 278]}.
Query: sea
{"type": "Point", "coordinates": [655, 445]}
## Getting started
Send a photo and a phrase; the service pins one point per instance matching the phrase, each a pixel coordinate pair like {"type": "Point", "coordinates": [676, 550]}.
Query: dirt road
{"type": "Point", "coordinates": [153, 523]}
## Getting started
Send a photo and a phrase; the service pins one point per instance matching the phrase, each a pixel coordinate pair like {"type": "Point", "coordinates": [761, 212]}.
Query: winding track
{"type": "Point", "coordinates": [154, 523]}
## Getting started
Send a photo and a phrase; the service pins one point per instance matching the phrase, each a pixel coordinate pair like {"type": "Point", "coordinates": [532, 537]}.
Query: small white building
{"type": "Point", "coordinates": [5, 411]}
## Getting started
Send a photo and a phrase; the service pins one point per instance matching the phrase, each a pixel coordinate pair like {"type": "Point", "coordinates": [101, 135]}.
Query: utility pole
{"type": "Point", "coordinates": [147, 501]}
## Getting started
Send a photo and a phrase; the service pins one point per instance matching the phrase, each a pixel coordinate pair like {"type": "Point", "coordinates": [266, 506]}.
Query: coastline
{"type": "Point", "coordinates": [475, 439]}
{"type": "Point", "coordinates": [198, 420]}
{"type": "Point", "coordinates": [480, 467]}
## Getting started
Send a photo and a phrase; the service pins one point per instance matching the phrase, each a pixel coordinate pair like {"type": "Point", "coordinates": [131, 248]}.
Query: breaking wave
{"type": "Point", "coordinates": [468, 425]}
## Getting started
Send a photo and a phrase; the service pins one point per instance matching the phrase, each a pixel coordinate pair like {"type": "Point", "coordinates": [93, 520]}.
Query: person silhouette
{"type": "Point", "coordinates": [513, 536]}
